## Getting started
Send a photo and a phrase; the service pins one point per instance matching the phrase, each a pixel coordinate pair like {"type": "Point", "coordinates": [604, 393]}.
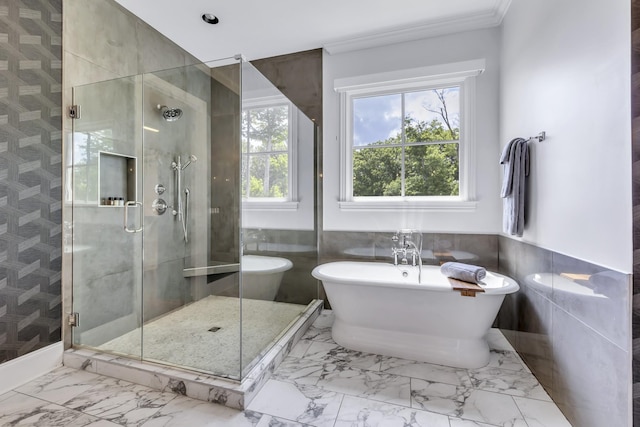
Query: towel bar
{"type": "Point", "coordinates": [540, 137]}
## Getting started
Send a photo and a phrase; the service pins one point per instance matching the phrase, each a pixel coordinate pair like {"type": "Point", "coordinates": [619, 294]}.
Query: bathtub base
{"type": "Point", "coordinates": [468, 353]}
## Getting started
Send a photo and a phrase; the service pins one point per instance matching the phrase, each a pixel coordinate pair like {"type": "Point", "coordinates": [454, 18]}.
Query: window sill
{"type": "Point", "coordinates": [270, 206]}
{"type": "Point", "coordinates": [406, 205]}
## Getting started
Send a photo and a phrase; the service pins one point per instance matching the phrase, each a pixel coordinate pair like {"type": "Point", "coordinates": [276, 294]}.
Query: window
{"type": "Point", "coordinates": [268, 153]}
{"type": "Point", "coordinates": [406, 144]}
{"type": "Point", "coordinates": [407, 138]}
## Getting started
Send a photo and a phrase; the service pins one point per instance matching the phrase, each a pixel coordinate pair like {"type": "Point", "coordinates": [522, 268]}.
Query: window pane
{"type": "Point", "coordinates": [377, 120]}
{"type": "Point", "coordinates": [377, 171]}
{"type": "Point", "coordinates": [268, 128]}
{"type": "Point", "coordinates": [432, 170]}
{"type": "Point", "coordinates": [278, 175]}
{"type": "Point", "coordinates": [432, 115]}
{"type": "Point", "coordinates": [244, 137]}
{"type": "Point", "coordinates": [256, 177]}
{"type": "Point", "coordinates": [269, 175]}
{"type": "Point", "coordinates": [243, 175]}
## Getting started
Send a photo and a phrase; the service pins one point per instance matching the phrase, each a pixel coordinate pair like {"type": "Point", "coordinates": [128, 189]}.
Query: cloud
{"type": "Point", "coordinates": [377, 118]}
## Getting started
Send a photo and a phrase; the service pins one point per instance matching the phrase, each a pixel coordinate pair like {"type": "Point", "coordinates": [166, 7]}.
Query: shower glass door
{"type": "Point", "coordinates": [104, 174]}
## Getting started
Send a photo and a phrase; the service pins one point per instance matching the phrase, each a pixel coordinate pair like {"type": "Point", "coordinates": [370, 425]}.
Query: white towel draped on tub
{"type": "Point", "coordinates": [515, 161]}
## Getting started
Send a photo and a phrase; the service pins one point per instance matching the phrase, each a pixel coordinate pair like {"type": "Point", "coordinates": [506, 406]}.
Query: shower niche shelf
{"type": "Point", "coordinates": [116, 177]}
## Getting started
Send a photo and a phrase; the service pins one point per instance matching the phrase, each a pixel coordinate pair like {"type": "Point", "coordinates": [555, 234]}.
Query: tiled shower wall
{"type": "Point", "coordinates": [570, 323]}
{"type": "Point", "coordinates": [30, 175]}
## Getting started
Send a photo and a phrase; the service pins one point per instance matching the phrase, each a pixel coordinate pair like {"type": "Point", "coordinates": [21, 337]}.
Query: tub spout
{"type": "Point", "coordinates": [416, 258]}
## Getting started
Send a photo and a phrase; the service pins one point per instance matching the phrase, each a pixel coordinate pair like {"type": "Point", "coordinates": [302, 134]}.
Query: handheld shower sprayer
{"type": "Point", "coordinates": [192, 158]}
{"type": "Point", "coordinates": [182, 166]}
{"type": "Point", "coordinates": [183, 208]}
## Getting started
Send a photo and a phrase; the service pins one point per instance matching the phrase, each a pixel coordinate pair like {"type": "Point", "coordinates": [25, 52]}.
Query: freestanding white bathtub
{"type": "Point", "coordinates": [380, 308]}
{"type": "Point", "coordinates": [261, 276]}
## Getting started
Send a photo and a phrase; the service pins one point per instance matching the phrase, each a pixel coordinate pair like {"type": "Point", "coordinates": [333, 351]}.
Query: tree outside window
{"type": "Point", "coordinates": [265, 152]}
{"type": "Point", "coordinates": [407, 144]}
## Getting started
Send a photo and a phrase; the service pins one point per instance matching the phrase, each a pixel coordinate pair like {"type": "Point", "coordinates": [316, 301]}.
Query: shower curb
{"type": "Point", "coordinates": [209, 388]}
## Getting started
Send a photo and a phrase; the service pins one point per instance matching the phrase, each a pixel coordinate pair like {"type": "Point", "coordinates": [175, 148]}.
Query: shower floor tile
{"type": "Point", "coordinates": [316, 385]}
{"type": "Point", "coordinates": [210, 323]}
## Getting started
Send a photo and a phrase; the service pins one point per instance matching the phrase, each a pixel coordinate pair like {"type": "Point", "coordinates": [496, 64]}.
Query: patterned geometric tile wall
{"type": "Point", "coordinates": [30, 175]}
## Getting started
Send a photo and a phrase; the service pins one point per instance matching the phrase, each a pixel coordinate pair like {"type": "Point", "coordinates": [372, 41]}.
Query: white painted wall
{"type": "Point", "coordinates": [434, 51]}
{"type": "Point", "coordinates": [566, 70]}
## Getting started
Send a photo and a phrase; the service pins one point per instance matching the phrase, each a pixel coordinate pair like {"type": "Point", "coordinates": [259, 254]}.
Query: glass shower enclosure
{"type": "Point", "coordinates": [155, 174]}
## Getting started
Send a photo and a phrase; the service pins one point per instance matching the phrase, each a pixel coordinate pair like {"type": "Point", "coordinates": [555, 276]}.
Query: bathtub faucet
{"type": "Point", "coordinates": [253, 240]}
{"type": "Point", "coordinates": [408, 242]}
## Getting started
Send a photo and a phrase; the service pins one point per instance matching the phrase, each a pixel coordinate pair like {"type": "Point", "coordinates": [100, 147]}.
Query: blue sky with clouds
{"type": "Point", "coordinates": [377, 118]}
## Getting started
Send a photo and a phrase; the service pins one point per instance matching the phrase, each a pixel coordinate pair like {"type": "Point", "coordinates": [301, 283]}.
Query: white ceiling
{"type": "Point", "coordinates": [260, 29]}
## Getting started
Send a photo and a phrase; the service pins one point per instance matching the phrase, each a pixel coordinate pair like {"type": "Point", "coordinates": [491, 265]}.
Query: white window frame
{"type": "Point", "coordinates": [275, 203]}
{"type": "Point", "coordinates": [460, 74]}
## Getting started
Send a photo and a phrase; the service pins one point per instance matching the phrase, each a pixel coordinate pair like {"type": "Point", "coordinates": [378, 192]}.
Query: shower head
{"type": "Point", "coordinates": [170, 114]}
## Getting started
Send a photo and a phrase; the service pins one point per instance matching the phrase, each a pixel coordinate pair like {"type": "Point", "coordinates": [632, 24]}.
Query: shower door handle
{"type": "Point", "coordinates": [126, 217]}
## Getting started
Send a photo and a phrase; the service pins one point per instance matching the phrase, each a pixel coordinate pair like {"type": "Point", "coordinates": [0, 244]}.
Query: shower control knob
{"type": "Point", "coordinates": [159, 206]}
{"type": "Point", "coordinates": [159, 189]}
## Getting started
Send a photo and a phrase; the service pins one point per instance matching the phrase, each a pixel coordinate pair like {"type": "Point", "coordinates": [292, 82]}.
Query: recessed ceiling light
{"type": "Point", "coordinates": [210, 18]}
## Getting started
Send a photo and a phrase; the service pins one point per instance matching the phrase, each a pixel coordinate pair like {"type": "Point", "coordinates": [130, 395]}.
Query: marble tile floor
{"type": "Point", "coordinates": [318, 384]}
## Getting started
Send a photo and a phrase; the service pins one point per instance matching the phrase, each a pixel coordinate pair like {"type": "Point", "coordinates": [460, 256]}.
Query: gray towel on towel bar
{"type": "Point", "coordinates": [515, 161]}
{"type": "Point", "coordinates": [464, 272]}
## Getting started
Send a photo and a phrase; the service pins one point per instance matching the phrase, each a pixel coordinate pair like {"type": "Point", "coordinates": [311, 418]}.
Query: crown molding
{"type": "Point", "coordinates": [456, 24]}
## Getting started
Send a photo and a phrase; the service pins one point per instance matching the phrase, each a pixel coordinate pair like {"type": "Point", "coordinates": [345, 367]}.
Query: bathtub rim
{"type": "Point", "coordinates": [283, 265]}
{"type": "Point", "coordinates": [442, 284]}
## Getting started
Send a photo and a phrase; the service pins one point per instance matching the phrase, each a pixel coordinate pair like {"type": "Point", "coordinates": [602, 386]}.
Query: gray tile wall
{"type": "Point", "coordinates": [225, 165]}
{"type": "Point", "coordinates": [166, 253]}
{"type": "Point", "coordinates": [570, 322]}
{"type": "Point", "coordinates": [299, 77]}
{"type": "Point", "coordinates": [437, 248]}
{"type": "Point", "coordinates": [30, 175]}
